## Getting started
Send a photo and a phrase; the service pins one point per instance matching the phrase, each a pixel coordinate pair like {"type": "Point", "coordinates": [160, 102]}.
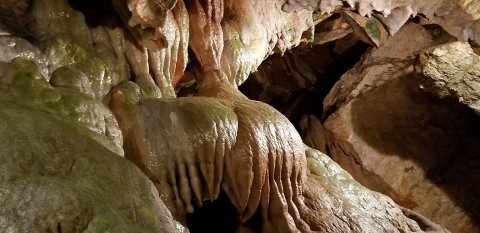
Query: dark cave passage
{"type": "Point", "coordinates": [220, 216]}
{"type": "Point", "coordinates": [217, 216]}
{"type": "Point", "coordinates": [96, 12]}
{"type": "Point", "coordinates": [297, 82]}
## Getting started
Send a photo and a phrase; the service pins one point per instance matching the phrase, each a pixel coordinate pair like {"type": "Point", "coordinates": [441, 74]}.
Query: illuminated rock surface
{"type": "Point", "coordinates": [57, 175]}
{"type": "Point", "coordinates": [396, 138]}
{"type": "Point", "coordinates": [125, 116]}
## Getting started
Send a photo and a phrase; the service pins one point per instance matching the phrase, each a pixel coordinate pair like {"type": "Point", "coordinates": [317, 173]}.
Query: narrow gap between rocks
{"type": "Point", "coordinates": [297, 82]}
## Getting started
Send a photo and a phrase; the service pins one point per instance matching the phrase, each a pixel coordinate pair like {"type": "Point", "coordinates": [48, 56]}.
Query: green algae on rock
{"type": "Point", "coordinates": [53, 178]}
{"type": "Point", "coordinates": [57, 173]}
{"type": "Point", "coordinates": [22, 83]}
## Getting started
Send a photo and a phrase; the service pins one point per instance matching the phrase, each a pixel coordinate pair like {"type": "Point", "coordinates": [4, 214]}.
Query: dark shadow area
{"type": "Point", "coordinates": [441, 136]}
{"type": "Point", "coordinates": [255, 222]}
{"type": "Point", "coordinates": [214, 217]}
{"type": "Point", "coordinates": [296, 83]}
{"type": "Point", "coordinates": [97, 12]}
{"type": "Point", "coordinates": [187, 86]}
{"type": "Point", "coordinates": [15, 16]}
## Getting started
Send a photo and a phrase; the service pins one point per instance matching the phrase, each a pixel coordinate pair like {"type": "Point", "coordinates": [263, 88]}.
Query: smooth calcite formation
{"type": "Point", "coordinates": [194, 147]}
{"type": "Point", "coordinates": [58, 175]}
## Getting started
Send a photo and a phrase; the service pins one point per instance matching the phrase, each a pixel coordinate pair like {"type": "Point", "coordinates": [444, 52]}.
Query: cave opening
{"type": "Point", "coordinates": [220, 216]}
{"type": "Point", "coordinates": [97, 12]}
{"type": "Point", "coordinates": [297, 82]}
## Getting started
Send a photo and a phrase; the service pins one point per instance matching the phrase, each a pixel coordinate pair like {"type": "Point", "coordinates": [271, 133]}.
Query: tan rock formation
{"type": "Point", "coordinates": [452, 70]}
{"type": "Point", "coordinates": [62, 143]}
{"type": "Point", "coordinates": [253, 30]}
{"type": "Point", "coordinates": [197, 146]}
{"type": "Point", "coordinates": [395, 138]}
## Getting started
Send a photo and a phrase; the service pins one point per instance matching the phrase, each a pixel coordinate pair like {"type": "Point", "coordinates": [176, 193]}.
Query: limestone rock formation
{"type": "Point", "coordinates": [196, 147]}
{"type": "Point", "coordinates": [56, 174]}
{"type": "Point", "coordinates": [314, 133]}
{"type": "Point", "coordinates": [396, 138]}
{"type": "Point", "coordinates": [147, 20]}
{"type": "Point", "coordinates": [23, 84]}
{"type": "Point", "coordinates": [452, 70]}
{"type": "Point", "coordinates": [95, 139]}
{"type": "Point", "coordinates": [346, 202]}
{"type": "Point", "coordinates": [255, 29]}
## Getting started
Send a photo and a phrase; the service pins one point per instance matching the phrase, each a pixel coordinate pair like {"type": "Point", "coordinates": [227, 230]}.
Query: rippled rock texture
{"type": "Point", "coordinates": [198, 146]}
{"type": "Point", "coordinates": [94, 139]}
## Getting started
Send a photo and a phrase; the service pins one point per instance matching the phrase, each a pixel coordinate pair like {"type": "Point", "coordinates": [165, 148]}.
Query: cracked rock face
{"type": "Point", "coordinates": [452, 70]}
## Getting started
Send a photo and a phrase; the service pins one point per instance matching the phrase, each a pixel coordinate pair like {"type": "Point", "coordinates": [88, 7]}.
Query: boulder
{"type": "Point", "coordinates": [452, 70]}
{"type": "Point", "coordinates": [398, 139]}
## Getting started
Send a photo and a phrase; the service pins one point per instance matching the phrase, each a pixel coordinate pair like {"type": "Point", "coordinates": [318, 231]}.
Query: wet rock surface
{"type": "Point", "coordinates": [59, 176]}
{"type": "Point", "coordinates": [84, 82]}
{"type": "Point", "coordinates": [332, 195]}
{"type": "Point", "coordinates": [326, 199]}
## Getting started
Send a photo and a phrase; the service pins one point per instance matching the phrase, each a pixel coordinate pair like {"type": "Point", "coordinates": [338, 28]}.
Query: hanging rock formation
{"type": "Point", "coordinates": [199, 147]}
{"type": "Point", "coordinates": [458, 17]}
{"type": "Point", "coordinates": [94, 138]}
{"type": "Point", "coordinates": [243, 147]}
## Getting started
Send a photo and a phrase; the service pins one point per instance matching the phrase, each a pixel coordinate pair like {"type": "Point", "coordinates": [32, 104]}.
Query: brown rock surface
{"type": "Point", "coordinates": [335, 202]}
{"type": "Point", "coordinates": [314, 134]}
{"type": "Point", "coordinates": [253, 30]}
{"type": "Point", "coordinates": [452, 70]}
{"type": "Point", "coordinates": [195, 147]}
{"type": "Point", "coordinates": [291, 82]}
{"type": "Point", "coordinates": [395, 138]}
{"type": "Point", "coordinates": [60, 144]}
